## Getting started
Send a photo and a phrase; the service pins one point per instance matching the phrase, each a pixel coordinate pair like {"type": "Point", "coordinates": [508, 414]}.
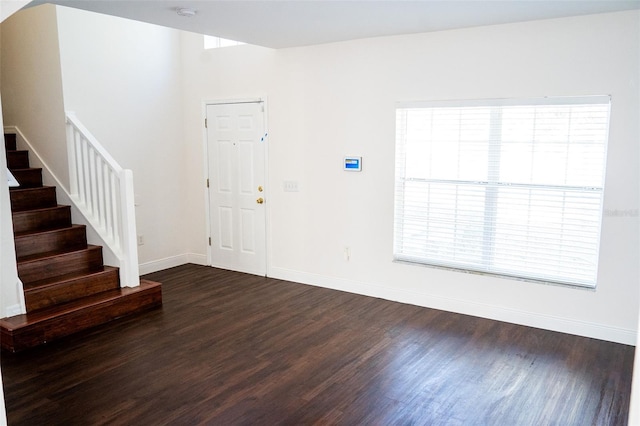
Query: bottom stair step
{"type": "Point", "coordinates": [29, 330]}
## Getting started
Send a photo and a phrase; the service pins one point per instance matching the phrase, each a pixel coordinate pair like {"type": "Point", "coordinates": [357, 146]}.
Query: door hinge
{"type": "Point", "coordinates": [209, 240]}
{"type": "Point", "coordinates": [207, 183]}
{"type": "Point", "coordinates": [205, 124]}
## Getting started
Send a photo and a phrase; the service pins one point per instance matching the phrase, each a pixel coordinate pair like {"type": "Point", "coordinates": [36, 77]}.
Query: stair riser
{"type": "Point", "coordinates": [10, 141]}
{"type": "Point", "coordinates": [21, 338]}
{"type": "Point", "coordinates": [28, 178]}
{"type": "Point", "coordinates": [68, 239]}
{"type": "Point", "coordinates": [37, 198]}
{"type": "Point", "coordinates": [41, 220]}
{"type": "Point", "coordinates": [18, 159]}
{"type": "Point", "coordinates": [72, 289]}
{"type": "Point", "coordinates": [89, 260]}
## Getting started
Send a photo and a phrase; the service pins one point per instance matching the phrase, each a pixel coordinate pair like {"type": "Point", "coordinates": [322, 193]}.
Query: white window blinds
{"type": "Point", "coordinates": [507, 187]}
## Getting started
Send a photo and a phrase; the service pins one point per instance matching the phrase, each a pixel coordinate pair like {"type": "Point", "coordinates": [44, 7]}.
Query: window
{"type": "Point", "coordinates": [211, 42]}
{"type": "Point", "coordinates": [505, 187]}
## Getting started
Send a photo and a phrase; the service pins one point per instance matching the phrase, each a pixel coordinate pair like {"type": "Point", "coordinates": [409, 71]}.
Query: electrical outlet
{"type": "Point", "coordinates": [140, 240]}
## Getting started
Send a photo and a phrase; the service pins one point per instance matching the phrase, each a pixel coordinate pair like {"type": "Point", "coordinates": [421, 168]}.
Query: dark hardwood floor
{"type": "Point", "coordinates": [229, 348]}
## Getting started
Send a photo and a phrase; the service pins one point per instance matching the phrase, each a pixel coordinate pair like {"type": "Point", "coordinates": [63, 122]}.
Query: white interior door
{"type": "Point", "coordinates": [237, 196]}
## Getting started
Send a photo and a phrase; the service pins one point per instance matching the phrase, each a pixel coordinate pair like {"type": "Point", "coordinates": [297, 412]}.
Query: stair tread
{"type": "Point", "coordinates": [19, 189]}
{"type": "Point", "coordinates": [34, 318]}
{"type": "Point", "coordinates": [34, 285]}
{"type": "Point", "coordinates": [42, 209]}
{"type": "Point", "coordinates": [54, 253]}
{"type": "Point", "coordinates": [46, 231]}
{"type": "Point", "coordinates": [26, 169]}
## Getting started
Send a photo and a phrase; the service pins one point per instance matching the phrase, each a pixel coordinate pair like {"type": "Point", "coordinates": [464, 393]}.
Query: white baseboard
{"type": "Point", "coordinates": [172, 261]}
{"type": "Point", "coordinates": [160, 264]}
{"type": "Point", "coordinates": [531, 319]}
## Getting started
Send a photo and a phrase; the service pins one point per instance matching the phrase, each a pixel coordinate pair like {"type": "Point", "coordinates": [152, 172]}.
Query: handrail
{"type": "Point", "coordinates": [103, 190]}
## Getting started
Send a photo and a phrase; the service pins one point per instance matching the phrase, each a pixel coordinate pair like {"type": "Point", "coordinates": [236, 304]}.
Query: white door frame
{"type": "Point", "coordinates": [205, 160]}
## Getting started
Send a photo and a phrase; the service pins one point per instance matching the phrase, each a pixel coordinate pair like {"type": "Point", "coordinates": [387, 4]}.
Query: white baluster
{"type": "Point", "coordinates": [105, 195]}
{"type": "Point", "coordinates": [71, 158]}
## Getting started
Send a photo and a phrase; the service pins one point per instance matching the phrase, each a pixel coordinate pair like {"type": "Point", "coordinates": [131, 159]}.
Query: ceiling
{"type": "Point", "coordinates": [280, 24]}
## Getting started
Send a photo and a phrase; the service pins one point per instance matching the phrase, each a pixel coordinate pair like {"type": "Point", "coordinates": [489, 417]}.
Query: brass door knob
{"type": "Point", "coordinates": [260, 200]}
{"type": "Point", "coordinates": [260, 189]}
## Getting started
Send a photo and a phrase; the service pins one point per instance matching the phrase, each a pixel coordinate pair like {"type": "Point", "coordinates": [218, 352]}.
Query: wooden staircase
{"type": "Point", "coordinates": [67, 287]}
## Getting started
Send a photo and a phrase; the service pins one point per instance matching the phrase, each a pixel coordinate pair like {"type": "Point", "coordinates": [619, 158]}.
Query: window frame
{"type": "Point", "coordinates": [214, 42]}
{"type": "Point", "coordinates": [484, 268]}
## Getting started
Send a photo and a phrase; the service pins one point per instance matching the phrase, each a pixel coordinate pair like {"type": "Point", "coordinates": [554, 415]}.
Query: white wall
{"type": "Point", "coordinates": [32, 99]}
{"type": "Point", "coordinates": [122, 79]}
{"type": "Point", "coordinates": [331, 100]}
{"type": "Point", "coordinates": [129, 84]}
{"type": "Point", "coordinates": [32, 84]}
{"type": "Point", "coordinates": [9, 7]}
{"type": "Point", "coordinates": [634, 409]}
{"type": "Point", "coordinates": [207, 76]}
{"type": "Point", "coordinates": [10, 289]}
{"type": "Point", "coordinates": [140, 88]}
{"type": "Point", "coordinates": [11, 298]}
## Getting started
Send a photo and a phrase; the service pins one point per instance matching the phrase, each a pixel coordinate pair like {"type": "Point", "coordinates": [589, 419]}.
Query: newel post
{"type": "Point", "coordinates": [129, 270]}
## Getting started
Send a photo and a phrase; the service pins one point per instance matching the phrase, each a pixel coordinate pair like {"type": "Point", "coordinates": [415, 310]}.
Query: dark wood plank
{"type": "Point", "coordinates": [41, 219]}
{"type": "Point", "coordinates": [10, 141]}
{"type": "Point", "coordinates": [70, 238]}
{"type": "Point", "coordinates": [46, 293]}
{"type": "Point", "coordinates": [56, 264]}
{"type": "Point", "coordinates": [25, 331]}
{"type": "Point", "coordinates": [28, 178]}
{"type": "Point", "coordinates": [32, 198]}
{"type": "Point", "coordinates": [229, 348]}
{"type": "Point", "coordinates": [17, 159]}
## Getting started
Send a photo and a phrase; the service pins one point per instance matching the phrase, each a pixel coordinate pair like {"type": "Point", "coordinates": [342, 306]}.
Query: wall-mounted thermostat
{"type": "Point", "coordinates": [353, 164]}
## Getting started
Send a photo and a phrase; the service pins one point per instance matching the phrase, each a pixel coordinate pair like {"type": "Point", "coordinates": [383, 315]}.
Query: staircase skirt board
{"type": "Point", "coordinates": [68, 239]}
{"type": "Point", "coordinates": [42, 219]}
{"type": "Point", "coordinates": [71, 288]}
{"type": "Point", "coordinates": [32, 198]}
{"type": "Point", "coordinates": [28, 330]}
{"type": "Point", "coordinates": [66, 285]}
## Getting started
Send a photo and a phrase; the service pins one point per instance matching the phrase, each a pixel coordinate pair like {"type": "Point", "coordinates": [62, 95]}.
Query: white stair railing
{"type": "Point", "coordinates": [103, 190]}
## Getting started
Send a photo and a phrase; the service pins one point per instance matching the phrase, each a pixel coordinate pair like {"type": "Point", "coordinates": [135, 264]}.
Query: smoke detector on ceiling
{"type": "Point", "coordinates": [186, 12]}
